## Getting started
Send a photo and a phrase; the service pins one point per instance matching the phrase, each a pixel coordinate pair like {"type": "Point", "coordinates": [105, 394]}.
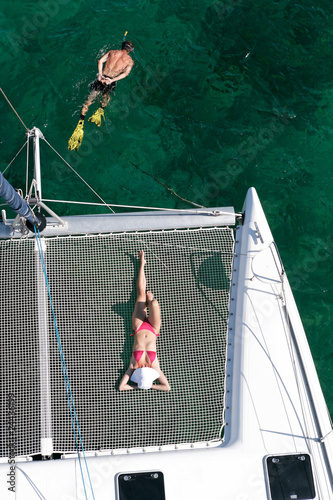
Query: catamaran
{"type": "Point", "coordinates": [245, 418]}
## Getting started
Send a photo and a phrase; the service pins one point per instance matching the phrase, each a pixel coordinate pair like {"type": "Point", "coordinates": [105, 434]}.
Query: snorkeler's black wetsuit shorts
{"type": "Point", "coordinates": [103, 87]}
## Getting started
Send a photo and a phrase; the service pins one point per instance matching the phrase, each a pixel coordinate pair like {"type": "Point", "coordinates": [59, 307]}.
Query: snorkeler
{"type": "Point", "coordinates": [118, 65]}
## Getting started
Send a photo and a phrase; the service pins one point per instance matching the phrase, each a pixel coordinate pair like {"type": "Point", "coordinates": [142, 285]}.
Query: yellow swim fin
{"type": "Point", "coordinates": [75, 141]}
{"type": "Point", "coordinates": [97, 117]}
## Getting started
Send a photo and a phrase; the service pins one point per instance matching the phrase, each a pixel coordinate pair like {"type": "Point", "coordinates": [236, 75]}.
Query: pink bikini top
{"type": "Point", "coordinates": [138, 355]}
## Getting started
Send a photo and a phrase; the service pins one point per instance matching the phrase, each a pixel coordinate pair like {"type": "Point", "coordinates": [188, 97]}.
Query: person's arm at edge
{"type": "Point", "coordinates": [102, 60]}
{"type": "Point", "coordinates": [163, 385]}
{"type": "Point", "coordinates": [124, 386]}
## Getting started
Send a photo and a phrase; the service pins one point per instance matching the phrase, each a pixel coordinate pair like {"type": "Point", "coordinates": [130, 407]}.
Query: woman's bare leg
{"type": "Point", "coordinates": [154, 312]}
{"type": "Point", "coordinates": [139, 314]}
{"type": "Point", "coordinates": [141, 282]}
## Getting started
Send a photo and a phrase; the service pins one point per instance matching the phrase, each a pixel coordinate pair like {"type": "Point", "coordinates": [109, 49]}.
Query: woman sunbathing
{"type": "Point", "coordinates": [144, 366]}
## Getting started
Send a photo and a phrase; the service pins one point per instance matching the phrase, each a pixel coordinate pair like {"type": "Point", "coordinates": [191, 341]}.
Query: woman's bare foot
{"type": "Point", "coordinates": [150, 296]}
{"type": "Point", "coordinates": [142, 257]}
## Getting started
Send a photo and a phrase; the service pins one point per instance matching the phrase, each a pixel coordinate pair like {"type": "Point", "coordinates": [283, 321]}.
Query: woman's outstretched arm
{"type": "Point", "coordinates": [124, 386]}
{"type": "Point", "coordinates": [163, 383]}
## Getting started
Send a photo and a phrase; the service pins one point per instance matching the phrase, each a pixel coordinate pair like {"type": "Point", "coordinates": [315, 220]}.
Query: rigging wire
{"type": "Point", "coordinates": [73, 414]}
{"type": "Point", "coordinates": [159, 182]}
{"type": "Point", "coordinates": [10, 104]}
{"type": "Point", "coordinates": [303, 386]}
{"type": "Point", "coordinates": [32, 484]}
{"type": "Point", "coordinates": [190, 211]}
{"type": "Point", "coordinates": [108, 205]}
{"type": "Point", "coordinates": [79, 176]}
{"type": "Point", "coordinates": [9, 164]}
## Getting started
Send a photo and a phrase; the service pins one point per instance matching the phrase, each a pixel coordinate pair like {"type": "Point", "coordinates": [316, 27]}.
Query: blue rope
{"type": "Point", "coordinates": [70, 398]}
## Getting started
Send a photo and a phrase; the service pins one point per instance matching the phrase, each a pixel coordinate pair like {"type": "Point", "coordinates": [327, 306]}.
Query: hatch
{"type": "Point", "coordinates": [290, 477]}
{"type": "Point", "coordinates": [141, 486]}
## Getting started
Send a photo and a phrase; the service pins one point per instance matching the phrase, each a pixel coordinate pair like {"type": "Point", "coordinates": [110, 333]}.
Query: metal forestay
{"type": "Point", "coordinates": [74, 419]}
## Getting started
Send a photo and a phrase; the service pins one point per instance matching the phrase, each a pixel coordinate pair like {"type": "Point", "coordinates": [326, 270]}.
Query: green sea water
{"type": "Point", "coordinates": [224, 95]}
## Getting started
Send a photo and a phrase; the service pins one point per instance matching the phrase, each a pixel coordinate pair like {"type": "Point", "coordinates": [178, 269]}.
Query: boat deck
{"type": "Point", "coordinates": [263, 389]}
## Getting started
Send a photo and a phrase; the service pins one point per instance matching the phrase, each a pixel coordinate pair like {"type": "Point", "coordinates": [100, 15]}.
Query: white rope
{"type": "Point", "coordinates": [79, 176]}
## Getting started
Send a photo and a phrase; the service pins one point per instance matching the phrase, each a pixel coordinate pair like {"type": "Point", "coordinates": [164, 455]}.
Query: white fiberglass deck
{"type": "Point", "coordinates": [273, 401]}
{"type": "Point", "coordinates": [93, 287]}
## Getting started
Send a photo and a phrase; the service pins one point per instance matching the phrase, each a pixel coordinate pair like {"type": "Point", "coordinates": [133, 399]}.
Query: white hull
{"type": "Point", "coordinates": [274, 403]}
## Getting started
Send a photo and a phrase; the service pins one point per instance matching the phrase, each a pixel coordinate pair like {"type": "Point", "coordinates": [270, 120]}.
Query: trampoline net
{"type": "Point", "coordinates": [93, 288]}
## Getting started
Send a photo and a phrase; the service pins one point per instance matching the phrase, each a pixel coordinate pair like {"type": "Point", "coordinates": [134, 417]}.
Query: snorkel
{"type": "Point", "coordinates": [126, 45]}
